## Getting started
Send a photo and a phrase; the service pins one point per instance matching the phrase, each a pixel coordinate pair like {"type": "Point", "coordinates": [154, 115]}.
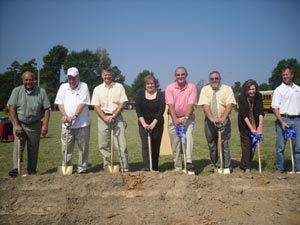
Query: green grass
{"type": "Point", "coordinates": [50, 147]}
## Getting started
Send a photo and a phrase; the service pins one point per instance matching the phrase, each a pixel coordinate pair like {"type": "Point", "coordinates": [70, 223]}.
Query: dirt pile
{"type": "Point", "coordinates": [140, 198]}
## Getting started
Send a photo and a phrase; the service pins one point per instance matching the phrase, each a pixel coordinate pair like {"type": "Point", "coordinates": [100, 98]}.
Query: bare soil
{"type": "Point", "coordinates": [158, 198]}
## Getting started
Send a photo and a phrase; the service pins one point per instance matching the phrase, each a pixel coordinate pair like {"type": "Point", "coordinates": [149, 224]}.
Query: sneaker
{"type": "Point", "coordinates": [178, 169]}
{"type": "Point", "coordinates": [83, 172]}
{"type": "Point", "coordinates": [226, 171]}
{"type": "Point", "coordinates": [247, 171]}
{"type": "Point", "coordinates": [125, 170]}
{"type": "Point", "coordinates": [297, 172]}
{"type": "Point", "coordinates": [13, 173]}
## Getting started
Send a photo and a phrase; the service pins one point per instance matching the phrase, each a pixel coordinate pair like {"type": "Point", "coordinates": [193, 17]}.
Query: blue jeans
{"type": "Point", "coordinates": [281, 143]}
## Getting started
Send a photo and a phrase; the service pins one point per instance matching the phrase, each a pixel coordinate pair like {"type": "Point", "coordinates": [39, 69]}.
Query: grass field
{"type": "Point", "coordinates": [50, 147]}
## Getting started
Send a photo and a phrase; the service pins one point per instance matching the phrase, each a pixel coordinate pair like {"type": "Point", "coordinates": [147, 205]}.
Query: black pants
{"type": "Point", "coordinates": [247, 155]}
{"type": "Point", "coordinates": [156, 136]}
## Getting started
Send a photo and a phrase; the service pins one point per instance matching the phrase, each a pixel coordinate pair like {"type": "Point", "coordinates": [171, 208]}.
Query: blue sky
{"type": "Point", "coordinates": [241, 39]}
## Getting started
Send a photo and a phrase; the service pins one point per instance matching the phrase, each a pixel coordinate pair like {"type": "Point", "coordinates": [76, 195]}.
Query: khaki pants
{"type": "Point", "coordinates": [31, 135]}
{"type": "Point", "coordinates": [104, 132]}
{"type": "Point", "coordinates": [82, 137]}
{"type": "Point", "coordinates": [175, 141]}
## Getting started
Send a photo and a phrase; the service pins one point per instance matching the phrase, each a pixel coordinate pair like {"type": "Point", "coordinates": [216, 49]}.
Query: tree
{"type": "Point", "coordinates": [50, 74]}
{"type": "Point", "coordinates": [117, 75]}
{"type": "Point", "coordinates": [237, 89]}
{"type": "Point", "coordinates": [13, 78]}
{"type": "Point", "coordinates": [87, 63]}
{"type": "Point", "coordinates": [276, 78]}
{"type": "Point", "coordinates": [263, 87]}
{"type": "Point", "coordinates": [104, 60]}
{"type": "Point", "coordinates": [199, 86]}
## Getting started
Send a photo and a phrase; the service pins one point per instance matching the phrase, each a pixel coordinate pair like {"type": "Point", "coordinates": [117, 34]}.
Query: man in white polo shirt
{"type": "Point", "coordinates": [286, 108]}
{"type": "Point", "coordinates": [73, 99]}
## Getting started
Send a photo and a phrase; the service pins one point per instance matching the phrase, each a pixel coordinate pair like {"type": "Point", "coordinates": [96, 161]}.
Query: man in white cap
{"type": "Point", "coordinates": [73, 99]}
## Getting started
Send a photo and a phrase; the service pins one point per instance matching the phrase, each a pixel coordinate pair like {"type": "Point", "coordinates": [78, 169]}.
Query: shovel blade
{"type": "Point", "coordinates": [65, 170]}
{"type": "Point", "coordinates": [225, 171]}
{"type": "Point", "coordinates": [112, 169]}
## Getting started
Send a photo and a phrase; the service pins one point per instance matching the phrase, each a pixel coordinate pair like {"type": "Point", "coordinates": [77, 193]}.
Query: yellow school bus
{"type": "Point", "coordinates": [267, 100]}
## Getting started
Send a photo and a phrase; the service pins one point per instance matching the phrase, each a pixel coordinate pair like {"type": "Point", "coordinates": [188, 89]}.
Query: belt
{"type": "Point", "coordinates": [290, 117]}
{"type": "Point", "coordinates": [108, 114]}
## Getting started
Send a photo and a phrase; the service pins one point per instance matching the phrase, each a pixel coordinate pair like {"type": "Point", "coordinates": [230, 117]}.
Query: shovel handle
{"type": "Point", "coordinates": [220, 150]}
{"type": "Point", "coordinates": [259, 160]}
{"type": "Point", "coordinates": [149, 148]}
{"type": "Point", "coordinates": [292, 155]}
{"type": "Point", "coordinates": [66, 147]}
{"type": "Point", "coordinates": [111, 145]}
{"type": "Point", "coordinates": [184, 154]}
{"type": "Point", "coordinates": [19, 156]}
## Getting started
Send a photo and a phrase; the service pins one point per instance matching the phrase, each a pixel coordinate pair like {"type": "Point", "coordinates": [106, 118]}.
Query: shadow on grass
{"type": "Point", "coordinates": [50, 171]}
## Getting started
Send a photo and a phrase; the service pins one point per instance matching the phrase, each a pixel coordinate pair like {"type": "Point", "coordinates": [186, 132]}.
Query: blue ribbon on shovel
{"type": "Point", "coordinates": [289, 133]}
{"type": "Point", "coordinates": [180, 133]}
{"type": "Point", "coordinates": [255, 139]}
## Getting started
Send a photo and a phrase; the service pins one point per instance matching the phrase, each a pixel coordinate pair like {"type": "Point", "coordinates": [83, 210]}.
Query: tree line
{"type": "Point", "coordinates": [90, 65]}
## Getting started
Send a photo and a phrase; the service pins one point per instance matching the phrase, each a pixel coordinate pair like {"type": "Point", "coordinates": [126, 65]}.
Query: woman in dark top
{"type": "Point", "coordinates": [250, 120]}
{"type": "Point", "coordinates": [150, 107]}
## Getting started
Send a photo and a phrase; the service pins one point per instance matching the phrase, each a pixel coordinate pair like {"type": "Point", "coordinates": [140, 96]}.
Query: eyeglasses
{"type": "Point", "coordinates": [180, 75]}
{"type": "Point", "coordinates": [214, 78]}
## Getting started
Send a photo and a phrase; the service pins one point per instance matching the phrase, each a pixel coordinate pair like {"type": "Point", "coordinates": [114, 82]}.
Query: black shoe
{"type": "Point", "coordinates": [13, 173]}
{"type": "Point", "coordinates": [33, 172]}
{"type": "Point", "coordinates": [190, 166]}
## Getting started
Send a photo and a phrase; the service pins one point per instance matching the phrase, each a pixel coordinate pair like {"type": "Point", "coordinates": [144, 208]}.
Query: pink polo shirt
{"type": "Point", "coordinates": [181, 98]}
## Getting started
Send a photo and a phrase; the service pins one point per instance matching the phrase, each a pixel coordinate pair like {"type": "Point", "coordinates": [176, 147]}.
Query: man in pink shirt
{"type": "Point", "coordinates": [181, 97]}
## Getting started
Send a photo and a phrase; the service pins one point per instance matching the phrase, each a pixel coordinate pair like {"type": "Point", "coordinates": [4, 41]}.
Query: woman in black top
{"type": "Point", "coordinates": [150, 107]}
{"type": "Point", "coordinates": [250, 120]}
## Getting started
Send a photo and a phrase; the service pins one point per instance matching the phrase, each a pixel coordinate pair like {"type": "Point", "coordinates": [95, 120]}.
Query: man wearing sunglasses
{"type": "Point", "coordinates": [181, 97]}
{"type": "Point", "coordinates": [217, 100]}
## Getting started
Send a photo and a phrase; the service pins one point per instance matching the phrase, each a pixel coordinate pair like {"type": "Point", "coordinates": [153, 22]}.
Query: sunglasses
{"type": "Point", "coordinates": [214, 78]}
{"type": "Point", "coordinates": [180, 75]}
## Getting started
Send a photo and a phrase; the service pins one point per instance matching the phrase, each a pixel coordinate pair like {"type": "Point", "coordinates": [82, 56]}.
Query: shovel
{"type": "Point", "coordinates": [65, 169]}
{"type": "Point", "coordinates": [149, 148]}
{"type": "Point", "coordinates": [221, 170]}
{"type": "Point", "coordinates": [111, 168]}
{"type": "Point", "coordinates": [184, 155]}
{"type": "Point", "coordinates": [292, 156]}
{"type": "Point", "coordinates": [259, 160]}
{"type": "Point", "coordinates": [19, 155]}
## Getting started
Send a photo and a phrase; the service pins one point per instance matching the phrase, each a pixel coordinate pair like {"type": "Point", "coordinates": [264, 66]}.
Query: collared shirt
{"type": "Point", "coordinates": [181, 98]}
{"type": "Point", "coordinates": [109, 97]}
{"type": "Point", "coordinates": [224, 97]}
{"type": "Point", "coordinates": [287, 99]}
{"type": "Point", "coordinates": [71, 99]}
{"type": "Point", "coordinates": [30, 107]}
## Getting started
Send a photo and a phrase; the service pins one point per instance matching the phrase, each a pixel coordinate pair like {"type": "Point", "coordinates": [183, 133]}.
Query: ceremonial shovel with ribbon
{"type": "Point", "coordinates": [180, 133]}
{"type": "Point", "coordinates": [256, 139]}
{"type": "Point", "coordinates": [290, 134]}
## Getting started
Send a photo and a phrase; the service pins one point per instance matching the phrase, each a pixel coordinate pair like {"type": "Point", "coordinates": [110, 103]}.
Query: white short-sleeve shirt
{"type": "Point", "coordinates": [287, 99]}
{"type": "Point", "coordinates": [71, 99]}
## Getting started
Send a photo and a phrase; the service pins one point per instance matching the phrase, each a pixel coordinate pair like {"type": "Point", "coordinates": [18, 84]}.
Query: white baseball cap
{"type": "Point", "coordinates": [73, 71]}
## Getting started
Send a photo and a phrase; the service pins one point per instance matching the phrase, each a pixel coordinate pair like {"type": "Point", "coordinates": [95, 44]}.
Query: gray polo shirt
{"type": "Point", "coordinates": [30, 107]}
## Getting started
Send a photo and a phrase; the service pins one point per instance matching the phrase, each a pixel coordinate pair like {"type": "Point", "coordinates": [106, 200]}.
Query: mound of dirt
{"type": "Point", "coordinates": [168, 198]}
